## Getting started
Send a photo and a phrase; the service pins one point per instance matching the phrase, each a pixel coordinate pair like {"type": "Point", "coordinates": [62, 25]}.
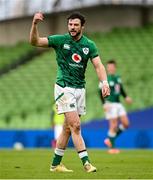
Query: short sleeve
{"type": "Point", "coordinates": [119, 80]}
{"type": "Point", "coordinates": [54, 40]}
{"type": "Point", "coordinates": [93, 50]}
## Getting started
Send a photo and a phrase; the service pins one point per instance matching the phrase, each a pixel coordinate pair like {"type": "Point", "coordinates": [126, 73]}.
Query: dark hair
{"type": "Point", "coordinates": [77, 15]}
{"type": "Point", "coordinates": [112, 61]}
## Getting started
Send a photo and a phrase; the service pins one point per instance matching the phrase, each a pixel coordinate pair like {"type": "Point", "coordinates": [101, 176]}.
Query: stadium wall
{"type": "Point", "coordinates": [139, 135]}
{"type": "Point", "coordinates": [101, 18]}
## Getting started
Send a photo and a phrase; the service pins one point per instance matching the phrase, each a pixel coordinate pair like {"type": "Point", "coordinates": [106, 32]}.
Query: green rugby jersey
{"type": "Point", "coordinates": [72, 58]}
{"type": "Point", "coordinates": [116, 88]}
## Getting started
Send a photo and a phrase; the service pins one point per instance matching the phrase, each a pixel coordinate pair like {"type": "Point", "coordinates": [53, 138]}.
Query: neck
{"type": "Point", "coordinates": [77, 38]}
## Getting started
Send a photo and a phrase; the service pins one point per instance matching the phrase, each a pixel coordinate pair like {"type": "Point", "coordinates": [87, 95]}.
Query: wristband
{"type": "Point", "coordinates": [101, 83]}
{"type": "Point", "coordinates": [104, 82]}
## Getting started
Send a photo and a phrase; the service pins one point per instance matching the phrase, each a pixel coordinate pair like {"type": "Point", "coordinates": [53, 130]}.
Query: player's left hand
{"type": "Point", "coordinates": [105, 90]}
{"type": "Point", "coordinates": [128, 100]}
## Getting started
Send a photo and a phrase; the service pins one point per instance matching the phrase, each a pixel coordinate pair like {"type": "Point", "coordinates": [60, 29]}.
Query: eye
{"type": "Point", "coordinates": [76, 24]}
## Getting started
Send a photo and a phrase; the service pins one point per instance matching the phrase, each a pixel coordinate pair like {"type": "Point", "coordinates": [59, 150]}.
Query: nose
{"type": "Point", "coordinates": [72, 26]}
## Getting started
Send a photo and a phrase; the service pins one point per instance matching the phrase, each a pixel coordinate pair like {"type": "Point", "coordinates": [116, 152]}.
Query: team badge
{"type": "Point", "coordinates": [76, 57]}
{"type": "Point", "coordinates": [66, 46]}
{"type": "Point", "coordinates": [85, 50]}
{"type": "Point", "coordinates": [111, 83]}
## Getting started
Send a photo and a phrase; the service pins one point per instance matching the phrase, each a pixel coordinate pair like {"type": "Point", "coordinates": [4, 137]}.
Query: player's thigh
{"type": "Point", "coordinates": [72, 119]}
{"type": "Point", "coordinates": [66, 127]}
{"type": "Point", "coordinates": [124, 120]}
{"type": "Point", "coordinates": [113, 123]}
{"type": "Point", "coordinates": [65, 99]}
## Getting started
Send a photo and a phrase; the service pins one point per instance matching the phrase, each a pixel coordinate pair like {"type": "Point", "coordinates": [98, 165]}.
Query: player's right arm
{"type": "Point", "coordinates": [128, 99]}
{"type": "Point", "coordinates": [35, 39]}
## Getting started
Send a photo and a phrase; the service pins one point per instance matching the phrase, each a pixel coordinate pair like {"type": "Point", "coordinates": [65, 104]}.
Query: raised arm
{"type": "Point", "coordinates": [102, 76]}
{"type": "Point", "coordinates": [35, 40]}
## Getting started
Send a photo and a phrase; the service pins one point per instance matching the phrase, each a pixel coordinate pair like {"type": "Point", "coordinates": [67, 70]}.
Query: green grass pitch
{"type": "Point", "coordinates": [34, 164]}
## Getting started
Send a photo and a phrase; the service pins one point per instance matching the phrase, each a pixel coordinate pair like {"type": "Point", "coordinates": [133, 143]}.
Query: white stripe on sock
{"type": "Point", "coordinates": [121, 127]}
{"type": "Point", "coordinates": [59, 152]}
{"type": "Point", "coordinates": [83, 154]}
{"type": "Point", "coordinates": [110, 134]}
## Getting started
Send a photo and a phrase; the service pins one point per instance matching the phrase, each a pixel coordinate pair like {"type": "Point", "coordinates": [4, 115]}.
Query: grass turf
{"type": "Point", "coordinates": [34, 164]}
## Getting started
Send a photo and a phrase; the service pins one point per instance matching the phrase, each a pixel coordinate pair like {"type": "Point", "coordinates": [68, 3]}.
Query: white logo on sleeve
{"type": "Point", "coordinates": [85, 50]}
{"type": "Point", "coordinates": [76, 58]}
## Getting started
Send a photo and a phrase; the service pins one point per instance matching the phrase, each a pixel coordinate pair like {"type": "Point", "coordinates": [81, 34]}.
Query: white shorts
{"type": "Point", "coordinates": [70, 99]}
{"type": "Point", "coordinates": [114, 110]}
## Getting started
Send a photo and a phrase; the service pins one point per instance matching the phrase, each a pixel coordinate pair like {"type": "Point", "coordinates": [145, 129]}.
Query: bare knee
{"type": "Point", "coordinates": [125, 122]}
{"type": "Point", "coordinates": [66, 129]}
{"type": "Point", "coordinates": [75, 127]}
{"type": "Point", "coordinates": [73, 122]}
{"type": "Point", "coordinates": [113, 125]}
{"type": "Point", "coordinates": [125, 125]}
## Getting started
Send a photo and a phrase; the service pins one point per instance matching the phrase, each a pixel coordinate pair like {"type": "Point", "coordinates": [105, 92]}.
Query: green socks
{"type": "Point", "coordinates": [112, 140]}
{"type": "Point", "coordinates": [59, 153]}
{"type": "Point", "coordinates": [84, 156]}
{"type": "Point", "coordinates": [121, 128]}
{"type": "Point", "coordinates": [112, 137]}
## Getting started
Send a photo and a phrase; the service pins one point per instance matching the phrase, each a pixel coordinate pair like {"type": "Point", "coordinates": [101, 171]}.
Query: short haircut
{"type": "Point", "coordinates": [77, 15]}
{"type": "Point", "coordinates": [111, 61]}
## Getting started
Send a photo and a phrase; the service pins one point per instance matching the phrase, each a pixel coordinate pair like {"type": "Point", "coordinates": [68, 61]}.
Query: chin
{"type": "Point", "coordinates": [73, 35]}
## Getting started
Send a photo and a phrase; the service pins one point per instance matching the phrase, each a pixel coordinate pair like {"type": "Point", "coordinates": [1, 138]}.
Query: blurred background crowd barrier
{"type": "Point", "coordinates": [20, 8]}
{"type": "Point", "coordinates": [16, 16]}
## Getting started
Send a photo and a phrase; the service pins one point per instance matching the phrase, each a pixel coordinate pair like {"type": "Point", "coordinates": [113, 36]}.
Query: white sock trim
{"type": "Point", "coordinates": [59, 152]}
{"type": "Point", "coordinates": [83, 154]}
{"type": "Point", "coordinates": [110, 134]}
{"type": "Point", "coordinates": [121, 127]}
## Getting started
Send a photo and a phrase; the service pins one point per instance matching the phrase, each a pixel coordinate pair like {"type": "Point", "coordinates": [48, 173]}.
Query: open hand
{"type": "Point", "coordinates": [128, 100]}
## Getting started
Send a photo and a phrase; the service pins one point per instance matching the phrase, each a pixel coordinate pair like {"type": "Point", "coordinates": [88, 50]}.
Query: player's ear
{"type": "Point", "coordinates": [83, 27]}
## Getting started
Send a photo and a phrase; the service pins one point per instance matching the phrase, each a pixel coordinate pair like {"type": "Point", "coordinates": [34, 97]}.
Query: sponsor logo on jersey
{"type": "Point", "coordinates": [76, 65]}
{"type": "Point", "coordinates": [66, 46]}
{"type": "Point", "coordinates": [85, 50]}
{"type": "Point", "coordinates": [76, 58]}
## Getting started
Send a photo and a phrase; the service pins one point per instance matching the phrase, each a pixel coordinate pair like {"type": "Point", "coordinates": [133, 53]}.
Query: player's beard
{"type": "Point", "coordinates": [77, 34]}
